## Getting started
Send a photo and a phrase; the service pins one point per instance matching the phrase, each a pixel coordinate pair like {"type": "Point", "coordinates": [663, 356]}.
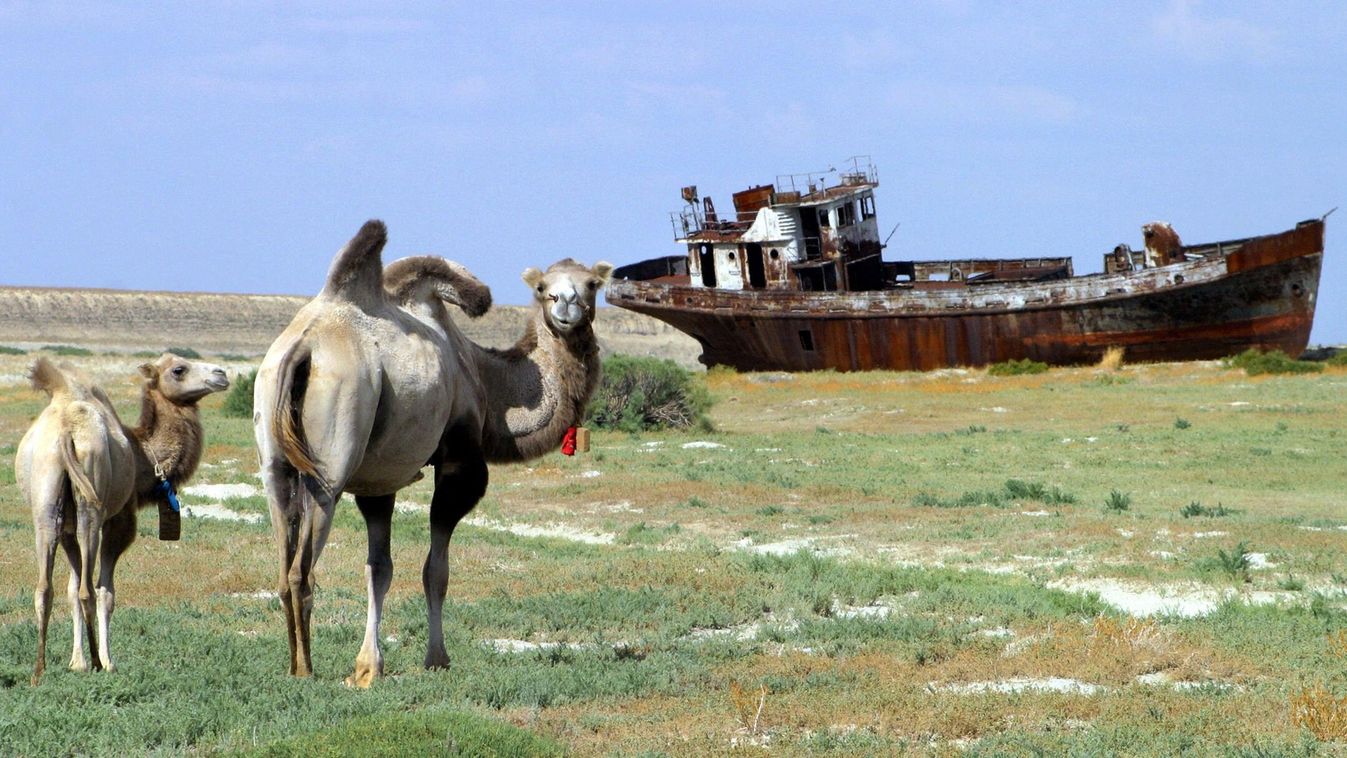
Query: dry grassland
{"type": "Point", "coordinates": [844, 567]}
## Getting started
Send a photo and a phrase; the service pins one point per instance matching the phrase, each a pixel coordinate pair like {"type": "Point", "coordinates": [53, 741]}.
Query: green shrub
{"type": "Point", "coordinates": [1339, 359]}
{"type": "Point", "coordinates": [239, 402]}
{"type": "Point", "coordinates": [1274, 362]}
{"type": "Point", "coordinates": [1182, 423]}
{"type": "Point", "coordinates": [1197, 509]}
{"type": "Point", "coordinates": [1014, 368]}
{"type": "Point", "coordinates": [639, 394]}
{"type": "Point", "coordinates": [1235, 564]}
{"type": "Point", "coordinates": [7, 350]}
{"type": "Point", "coordinates": [1118, 502]}
{"type": "Point", "coordinates": [184, 352]}
{"type": "Point", "coordinates": [68, 350]}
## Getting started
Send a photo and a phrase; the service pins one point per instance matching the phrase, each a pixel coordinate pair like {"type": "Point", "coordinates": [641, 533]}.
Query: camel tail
{"type": "Point", "coordinates": [48, 378]}
{"type": "Point", "coordinates": [76, 416]}
{"type": "Point", "coordinates": [423, 275]}
{"type": "Point", "coordinates": [288, 429]}
{"type": "Point", "coordinates": [357, 271]}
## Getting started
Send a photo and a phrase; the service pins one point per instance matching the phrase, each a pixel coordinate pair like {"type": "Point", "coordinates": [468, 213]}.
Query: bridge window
{"type": "Point", "coordinates": [846, 214]}
{"type": "Point", "coordinates": [807, 340]}
{"type": "Point", "coordinates": [868, 207]}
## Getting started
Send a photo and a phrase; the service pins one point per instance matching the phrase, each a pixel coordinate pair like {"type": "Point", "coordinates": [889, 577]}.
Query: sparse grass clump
{"type": "Point", "coordinates": [1273, 362]}
{"type": "Point", "coordinates": [640, 394]}
{"type": "Point", "coordinates": [68, 350]}
{"type": "Point", "coordinates": [1117, 502]}
{"type": "Point", "coordinates": [1291, 583]}
{"type": "Point", "coordinates": [643, 534]}
{"type": "Point", "coordinates": [1234, 564]}
{"type": "Point", "coordinates": [1112, 359]}
{"type": "Point", "coordinates": [1321, 712]}
{"type": "Point", "coordinates": [1017, 368]}
{"type": "Point", "coordinates": [1014, 490]}
{"type": "Point", "coordinates": [1197, 509]}
{"type": "Point", "coordinates": [1182, 423]}
{"type": "Point", "coordinates": [184, 352]}
{"type": "Point", "coordinates": [239, 402]}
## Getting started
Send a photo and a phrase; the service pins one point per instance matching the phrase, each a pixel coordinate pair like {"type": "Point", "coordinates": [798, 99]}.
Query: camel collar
{"type": "Point", "coordinates": [166, 488]}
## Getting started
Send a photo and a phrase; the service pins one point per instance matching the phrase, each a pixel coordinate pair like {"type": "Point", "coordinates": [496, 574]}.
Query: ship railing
{"type": "Point", "coordinates": [858, 169]}
{"type": "Point", "coordinates": [691, 220]}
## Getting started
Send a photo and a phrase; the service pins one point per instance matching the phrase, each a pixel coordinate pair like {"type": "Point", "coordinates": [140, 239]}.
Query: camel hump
{"type": "Point", "coordinates": [48, 378]}
{"type": "Point", "coordinates": [422, 276]}
{"type": "Point", "coordinates": [357, 271]}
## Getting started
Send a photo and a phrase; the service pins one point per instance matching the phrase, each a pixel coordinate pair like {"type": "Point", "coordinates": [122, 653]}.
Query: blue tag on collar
{"type": "Point", "coordinates": [166, 487]}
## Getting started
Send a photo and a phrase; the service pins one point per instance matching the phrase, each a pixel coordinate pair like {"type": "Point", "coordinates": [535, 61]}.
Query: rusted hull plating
{"type": "Point", "coordinates": [1256, 293]}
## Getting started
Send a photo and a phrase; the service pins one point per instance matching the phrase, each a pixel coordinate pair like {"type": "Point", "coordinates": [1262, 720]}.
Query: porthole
{"type": "Point", "coordinates": [1178, 278]}
{"type": "Point", "coordinates": [1297, 290]}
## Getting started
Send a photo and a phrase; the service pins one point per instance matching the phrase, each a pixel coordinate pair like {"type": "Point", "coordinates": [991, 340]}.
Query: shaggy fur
{"type": "Point", "coordinates": [84, 474]}
{"type": "Point", "coordinates": [372, 382]}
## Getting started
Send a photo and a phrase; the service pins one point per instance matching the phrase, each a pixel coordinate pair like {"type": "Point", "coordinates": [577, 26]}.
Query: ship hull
{"type": "Point", "coordinates": [1255, 293]}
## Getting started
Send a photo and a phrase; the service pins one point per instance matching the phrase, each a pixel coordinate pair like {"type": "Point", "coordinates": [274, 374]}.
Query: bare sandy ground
{"type": "Point", "coordinates": [129, 321]}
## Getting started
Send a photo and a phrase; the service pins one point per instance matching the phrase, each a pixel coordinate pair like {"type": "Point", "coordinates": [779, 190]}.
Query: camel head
{"type": "Point", "coordinates": [182, 381]}
{"type": "Point", "coordinates": [566, 292]}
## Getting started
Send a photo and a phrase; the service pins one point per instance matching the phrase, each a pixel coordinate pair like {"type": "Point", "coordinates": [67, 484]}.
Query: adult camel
{"type": "Point", "coordinates": [372, 382]}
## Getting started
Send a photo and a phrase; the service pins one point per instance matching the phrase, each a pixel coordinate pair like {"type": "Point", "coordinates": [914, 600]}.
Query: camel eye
{"type": "Point", "coordinates": [179, 371]}
{"type": "Point", "coordinates": [593, 284]}
{"type": "Point", "coordinates": [540, 289]}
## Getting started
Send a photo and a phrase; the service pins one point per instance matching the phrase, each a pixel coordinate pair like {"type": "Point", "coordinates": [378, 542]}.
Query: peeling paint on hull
{"type": "Point", "coordinates": [1253, 293]}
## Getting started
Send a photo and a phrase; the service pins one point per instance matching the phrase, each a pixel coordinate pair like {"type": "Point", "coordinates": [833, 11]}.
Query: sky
{"type": "Point", "coordinates": [235, 146]}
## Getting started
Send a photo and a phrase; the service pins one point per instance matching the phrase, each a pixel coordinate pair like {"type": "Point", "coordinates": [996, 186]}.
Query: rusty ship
{"type": "Point", "coordinates": [795, 280]}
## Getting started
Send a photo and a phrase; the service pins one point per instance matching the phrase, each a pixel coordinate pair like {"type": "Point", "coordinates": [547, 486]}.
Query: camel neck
{"type": "Point", "coordinates": [537, 389]}
{"type": "Point", "coordinates": [170, 436]}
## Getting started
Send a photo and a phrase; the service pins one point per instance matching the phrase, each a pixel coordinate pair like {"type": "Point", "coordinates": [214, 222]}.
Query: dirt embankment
{"type": "Point", "coordinates": [123, 320]}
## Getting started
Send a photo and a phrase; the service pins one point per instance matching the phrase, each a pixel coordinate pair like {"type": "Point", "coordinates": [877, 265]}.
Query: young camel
{"type": "Point", "coordinates": [372, 381]}
{"type": "Point", "coordinates": [84, 474]}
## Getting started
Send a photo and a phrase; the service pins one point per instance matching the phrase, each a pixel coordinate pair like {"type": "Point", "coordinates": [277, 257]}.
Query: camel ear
{"type": "Point", "coordinates": [603, 270]}
{"type": "Point", "coordinates": [149, 370]}
{"type": "Point", "coordinates": [533, 278]}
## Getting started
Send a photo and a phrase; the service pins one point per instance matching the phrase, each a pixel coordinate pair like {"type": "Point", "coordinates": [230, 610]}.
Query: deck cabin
{"type": "Point", "coordinates": [815, 232]}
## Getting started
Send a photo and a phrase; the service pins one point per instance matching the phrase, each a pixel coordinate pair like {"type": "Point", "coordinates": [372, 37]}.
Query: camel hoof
{"type": "Point", "coordinates": [80, 666]}
{"type": "Point", "coordinates": [361, 679]}
{"type": "Point", "coordinates": [438, 663]}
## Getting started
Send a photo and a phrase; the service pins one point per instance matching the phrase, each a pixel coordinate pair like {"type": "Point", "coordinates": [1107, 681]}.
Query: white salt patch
{"type": "Point", "coordinates": [219, 513]}
{"type": "Point", "coordinates": [220, 491]}
{"type": "Point", "coordinates": [524, 646]}
{"type": "Point", "coordinates": [257, 595]}
{"type": "Point", "coordinates": [653, 443]}
{"type": "Point", "coordinates": [701, 444]}
{"type": "Point", "coordinates": [557, 531]}
{"type": "Point", "coordinates": [746, 632]}
{"type": "Point", "coordinates": [995, 409]}
{"type": "Point", "coordinates": [588, 474]}
{"type": "Point", "coordinates": [1125, 533]}
{"type": "Point", "coordinates": [1024, 684]}
{"type": "Point", "coordinates": [1035, 513]}
{"type": "Point", "coordinates": [1186, 602]}
{"type": "Point", "coordinates": [1203, 535]}
{"type": "Point", "coordinates": [1238, 404]}
{"type": "Point", "coordinates": [861, 611]}
{"type": "Point", "coordinates": [1259, 561]}
{"type": "Point", "coordinates": [766, 449]}
{"type": "Point", "coordinates": [623, 507]}
{"type": "Point", "coordinates": [1164, 554]}
{"type": "Point", "coordinates": [407, 506]}
{"type": "Point", "coordinates": [999, 632]}
{"type": "Point", "coordinates": [1066, 440]}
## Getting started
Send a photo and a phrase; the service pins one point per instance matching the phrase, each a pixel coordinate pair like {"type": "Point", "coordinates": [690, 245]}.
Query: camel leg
{"type": "Point", "coordinates": [72, 593]}
{"type": "Point", "coordinates": [312, 534]}
{"type": "Point", "coordinates": [87, 528]}
{"type": "Point", "coordinates": [378, 513]}
{"type": "Point", "coordinates": [118, 533]}
{"type": "Point", "coordinates": [457, 490]}
{"type": "Point", "coordinates": [286, 532]}
{"type": "Point", "coordinates": [46, 556]}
